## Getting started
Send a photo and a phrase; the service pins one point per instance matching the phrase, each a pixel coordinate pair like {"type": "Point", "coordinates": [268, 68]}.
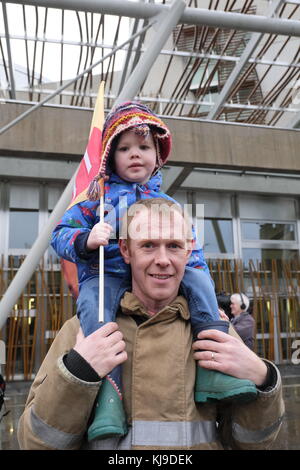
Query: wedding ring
{"type": "Point", "coordinates": [212, 356]}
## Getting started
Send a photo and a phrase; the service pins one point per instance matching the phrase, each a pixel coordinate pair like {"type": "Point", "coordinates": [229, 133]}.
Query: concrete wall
{"type": "Point", "coordinates": [56, 133]}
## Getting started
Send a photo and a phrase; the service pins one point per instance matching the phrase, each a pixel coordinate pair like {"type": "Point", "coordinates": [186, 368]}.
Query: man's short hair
{"type": "Point", "coordinates": [161, 206]}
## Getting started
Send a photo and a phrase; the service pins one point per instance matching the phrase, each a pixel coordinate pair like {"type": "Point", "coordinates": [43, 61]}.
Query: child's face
{"type": "Point", "coordinates": [135, 157]}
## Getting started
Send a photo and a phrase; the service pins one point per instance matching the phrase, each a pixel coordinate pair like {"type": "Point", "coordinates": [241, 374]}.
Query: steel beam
{"type": "Point", "coordinates": [249, 182]}
{"type": "Point", "coordinates": [194, 16]}
{"type": "Point", "coordinates": [197, 55]}
{"type": "Point", "coordinates": [31, 261]}
{"type": "Point", "coordinates": [128, 57]}
{"type": "Point", "coordinates": [10, 63]}
{"type": "Point", "coordinates": [165, 24]}
{"type": "Point", "coordinates": [249, 50]}
{"type": "Point", "coordinates": [185, 172]}
{"type": "Point", "coordinates": [169, 174]}
{"type": "Point", "coordinates": [150, 99]}
{"type": "Point", "coordinates": [70, 82]}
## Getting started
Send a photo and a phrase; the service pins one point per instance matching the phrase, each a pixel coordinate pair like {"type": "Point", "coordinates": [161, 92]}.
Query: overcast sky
{"type": "Point", "coordinates": [52, 53]}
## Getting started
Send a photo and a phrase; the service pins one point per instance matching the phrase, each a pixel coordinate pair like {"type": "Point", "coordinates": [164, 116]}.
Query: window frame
{"type": "Point", "coordinates": [272, 243]}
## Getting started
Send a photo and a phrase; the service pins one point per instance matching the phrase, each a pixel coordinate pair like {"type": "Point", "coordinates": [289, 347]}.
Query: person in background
{"type": "Point", "coordinates": [242, 321]}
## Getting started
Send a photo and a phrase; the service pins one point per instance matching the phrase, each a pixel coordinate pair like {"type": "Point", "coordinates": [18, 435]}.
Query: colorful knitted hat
{"type": "Point", "coordinates": [136, 116]}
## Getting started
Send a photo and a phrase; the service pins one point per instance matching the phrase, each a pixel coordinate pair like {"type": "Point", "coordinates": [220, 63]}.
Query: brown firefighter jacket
{"type": "Point", "coordinates": [158, 383]}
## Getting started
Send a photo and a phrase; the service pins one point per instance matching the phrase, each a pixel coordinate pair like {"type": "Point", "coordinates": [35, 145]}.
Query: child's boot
{"type": "Point", "coordinates": [109, 419]}
{"type": "Point", "coordinates": [212, 385]}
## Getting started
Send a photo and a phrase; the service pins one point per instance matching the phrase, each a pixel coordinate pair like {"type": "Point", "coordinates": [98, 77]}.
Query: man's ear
{"type": "Point", "coordinates": [124, 249]}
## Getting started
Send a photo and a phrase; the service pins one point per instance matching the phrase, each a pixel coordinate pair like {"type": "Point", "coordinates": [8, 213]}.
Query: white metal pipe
{"type": "Point", "coordinates": [239, 67]}
{"type": "Point", "coordinates": [31, 261]}
{"type": "Point", "coordinates": [195, 16]}
{"type": "Point", "coordinates": [67, 84]}
{"type": "Point", "coordinates": [165, 24]}
{"type": "Point", "coordinates": [10, 63]}
{"type": "Point", "coordinates": [175, 53]}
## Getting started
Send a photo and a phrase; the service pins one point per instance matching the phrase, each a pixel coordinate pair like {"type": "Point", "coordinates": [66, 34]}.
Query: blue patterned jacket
{"type": "Point", "coordinates": [70, 235]}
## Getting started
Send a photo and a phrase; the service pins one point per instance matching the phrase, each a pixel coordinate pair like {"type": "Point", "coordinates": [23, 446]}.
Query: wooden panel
{"type": "Point", "coordinates": [40, 312]}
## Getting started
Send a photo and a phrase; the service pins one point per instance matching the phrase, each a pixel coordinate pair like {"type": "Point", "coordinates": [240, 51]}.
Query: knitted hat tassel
{"type": "Point", "coordinates": [94, 190]}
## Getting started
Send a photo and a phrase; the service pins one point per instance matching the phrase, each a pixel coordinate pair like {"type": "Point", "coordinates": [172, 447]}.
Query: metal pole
{"type": "Point", "coordinates": [165, 24]}
{"type": "Point", "coordinates": [42, 242]}
{"type": "Point", "coordinates": [110, 7]}
{"type": "Point", "coordinates": [68, 83]}
{"type": "Point", "coordinates": [193, 16]}
{"type": "Point", "coordinates": [10, 63]}
{"type": "Point", "coordinates": [247, 53]}
{"type": "Point", "coordinates": [32, 259]}
{"type": "Point", "coordinates": [277, 355]}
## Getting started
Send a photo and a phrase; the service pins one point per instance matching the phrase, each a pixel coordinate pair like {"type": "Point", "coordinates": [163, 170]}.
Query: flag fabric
{"type": "Point", "coordinates": [90, 163]}
{"type": "Point", "coordinates": [87, 170]}
{"type": "Point", "coordinates": [69, 271]}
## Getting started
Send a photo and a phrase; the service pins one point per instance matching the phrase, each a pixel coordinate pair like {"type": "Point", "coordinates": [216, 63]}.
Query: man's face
{"type": "Point", "coordinates": [157, 251]}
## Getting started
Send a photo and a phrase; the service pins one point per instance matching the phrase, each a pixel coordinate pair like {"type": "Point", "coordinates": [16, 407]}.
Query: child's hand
{"type": "Point", "coordinates": [99, 236]}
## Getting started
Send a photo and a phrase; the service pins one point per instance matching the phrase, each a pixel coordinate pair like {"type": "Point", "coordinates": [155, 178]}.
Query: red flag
{"type": "Point", "coordinates": [69, 271]}
{"type": "Point", "coordinates": [90, 163]}
{"type": "Point", "coordinates": [88, 169]}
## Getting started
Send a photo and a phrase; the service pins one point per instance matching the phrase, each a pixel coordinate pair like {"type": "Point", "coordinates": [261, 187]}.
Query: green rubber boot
{"type": "Point", "coordinates": [109, 419]}
{"type": "Point", "coordinates": [212, 385]}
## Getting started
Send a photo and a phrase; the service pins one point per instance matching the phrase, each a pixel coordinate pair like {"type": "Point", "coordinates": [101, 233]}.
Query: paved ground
{"type": "Point", "coordinates": [288, 438]}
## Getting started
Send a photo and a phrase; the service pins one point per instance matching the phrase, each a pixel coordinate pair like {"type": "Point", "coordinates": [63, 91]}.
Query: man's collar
{"type": "Point", "coordinates": [131, 305]}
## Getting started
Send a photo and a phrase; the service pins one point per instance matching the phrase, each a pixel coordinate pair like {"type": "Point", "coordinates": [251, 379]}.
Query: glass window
{"type": "Point", "coordinates": [216, 205]}
{"type": "Point", "coordinates": [218, 237]}
{"type": "Point", "coordinates": [24, 196]}
{"type": "Point", "coordinates": [268, 231]}
{"type": "Point", "coordinates": [266, 255]}
{"type": "Point", "coordinates": [267, 208]}
{"type": "Point", "coordinates": [23, 228]}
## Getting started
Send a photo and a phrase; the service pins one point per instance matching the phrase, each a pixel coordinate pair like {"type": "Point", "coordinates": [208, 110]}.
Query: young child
{"type": "Point", "coordinates": [136, 144]}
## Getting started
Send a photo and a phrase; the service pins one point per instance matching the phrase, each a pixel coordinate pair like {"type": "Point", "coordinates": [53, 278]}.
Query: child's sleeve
{"type": "Point", "coordinates": [79, 219]}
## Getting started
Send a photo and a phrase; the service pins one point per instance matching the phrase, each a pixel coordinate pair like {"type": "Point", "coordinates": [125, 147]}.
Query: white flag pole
{"type": "Point", "coordinates": [101, 257]}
